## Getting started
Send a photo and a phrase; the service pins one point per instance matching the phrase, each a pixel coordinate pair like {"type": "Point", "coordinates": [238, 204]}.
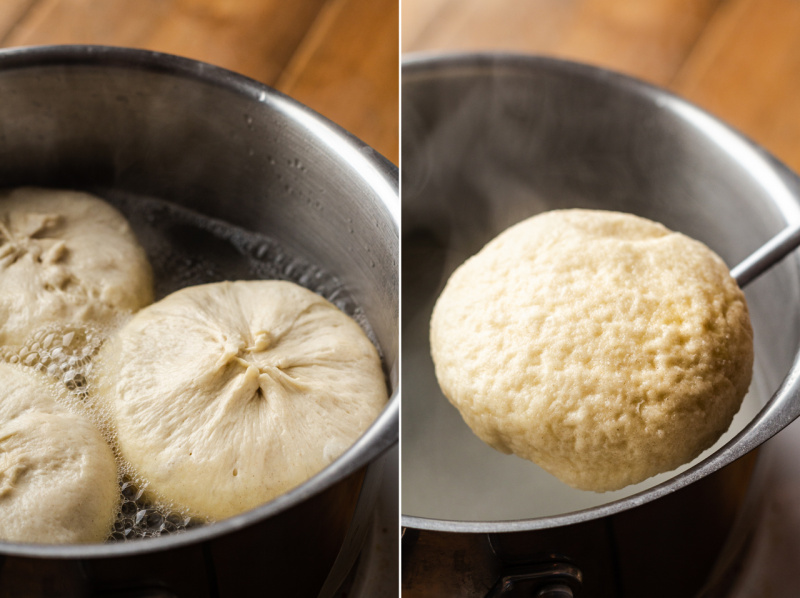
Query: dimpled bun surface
{"type": "Point", "coordinates": [58, 476]}
{"type": "Point", "coordinates": [65, 258]}
{"type": "Point", "coordinates": [226, 395]}
{"type": "Point", "coordinates": [599, 345]}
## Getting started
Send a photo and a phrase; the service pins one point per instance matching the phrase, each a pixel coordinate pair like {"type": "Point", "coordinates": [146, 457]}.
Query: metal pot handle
{"type": "Point", "coordinates": [554, 579]}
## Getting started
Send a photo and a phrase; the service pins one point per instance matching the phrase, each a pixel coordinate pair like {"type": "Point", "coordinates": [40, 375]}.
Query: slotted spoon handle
{"type": "Point", "coordinates": [766, 256]}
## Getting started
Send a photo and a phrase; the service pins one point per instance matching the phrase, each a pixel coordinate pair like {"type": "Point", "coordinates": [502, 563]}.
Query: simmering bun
{"type": "Point", "coordinates": [58, 476]}
{"type": "Point", "coordinates": [600, 345]}
{"type": "Point", "coordinates": [65, 258]}
{"type": "Point", "coordinates": [226, 395]}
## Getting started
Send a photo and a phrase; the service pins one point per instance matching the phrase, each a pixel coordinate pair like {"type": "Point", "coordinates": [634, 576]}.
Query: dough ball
{"type": "Point", "coordinates": [226, 395]}
{"type": "Point", "coordinates": [58, 476]}
{"type": "Point", "coordinates": [600, 345]}
{"type": "Point", "coordinates": [66, 258]}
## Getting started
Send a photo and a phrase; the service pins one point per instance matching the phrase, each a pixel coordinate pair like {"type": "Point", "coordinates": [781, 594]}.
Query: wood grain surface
{"type": "Point", "coordinates": [340, 57]}
{"type": "Point", "coordinates": [746, 70]}
{"type": "Point", "coordinates": [739, 59]}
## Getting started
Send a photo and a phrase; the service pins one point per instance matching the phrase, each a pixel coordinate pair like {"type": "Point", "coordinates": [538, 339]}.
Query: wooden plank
{"type": "Point", "coordinates": [347, 69]}
{"type": "Point", "coordinates": [513, 25]}
{"type": "Point", "coordinates": [11, 11]}
{"type": "Point", "coordinates": [746, 70]}
{"type": "Point", "coordinates": [253, 37]}
{"type": "Point", "coordinates": [338, 56]}
{"type": "Point", "coordinates": [650, 40]}
{"type": "Point", "coordinates": [647, 39]}
{"type": "Point", "coordinates": [416, 17]}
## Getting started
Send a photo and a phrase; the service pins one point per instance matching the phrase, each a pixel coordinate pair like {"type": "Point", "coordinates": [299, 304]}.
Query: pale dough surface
{"type": "Point", "coordinates": [226, 395]}
{"type": "Point", "coordinates": [599, 345]}
{"type": "Point", "coordinates": [66, 258]}
{"type": "Point", "coordinates": [58, 476]}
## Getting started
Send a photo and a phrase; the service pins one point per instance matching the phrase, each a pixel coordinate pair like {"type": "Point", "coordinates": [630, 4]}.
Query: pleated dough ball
{"type": "Point", "coordinates": [600, 345]}
{"type": "Point", "coordinates": [66, 258]}
{"type": "Point", "coordinates": [58, 476]}
{"type": "Point", "coordinates": [225, 395]}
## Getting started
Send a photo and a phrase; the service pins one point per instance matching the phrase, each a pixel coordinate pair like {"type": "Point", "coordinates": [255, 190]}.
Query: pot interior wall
{"type": "Point", "coordinates": [487, 144]}
{"type": "Point", "coordinates": [249, 158]}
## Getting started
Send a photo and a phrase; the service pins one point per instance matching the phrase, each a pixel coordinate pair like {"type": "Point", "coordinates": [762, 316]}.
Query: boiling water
{"type": "Point", "coordinates": [65, 356]}
{"type": "Point", "coordinates": [185, 249]}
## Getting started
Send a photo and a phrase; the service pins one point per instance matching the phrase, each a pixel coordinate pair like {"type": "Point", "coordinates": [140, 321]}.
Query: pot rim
{"type": "Point", "coordinates": [379, 174]}
{"type": "Point", "coordinates": [784, 405]}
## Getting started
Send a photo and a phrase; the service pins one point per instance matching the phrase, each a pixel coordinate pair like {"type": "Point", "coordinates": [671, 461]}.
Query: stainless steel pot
{"type": "Point", "coordinates": [144, 124]}
{"type": "Point", "coordinates": [488, 140]}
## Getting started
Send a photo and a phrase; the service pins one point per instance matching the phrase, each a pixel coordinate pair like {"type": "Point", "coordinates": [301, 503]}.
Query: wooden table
{"type": "Point", "coordinates": [738, 59]}
{"type": "Point", "coordinates": [337, 56]}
